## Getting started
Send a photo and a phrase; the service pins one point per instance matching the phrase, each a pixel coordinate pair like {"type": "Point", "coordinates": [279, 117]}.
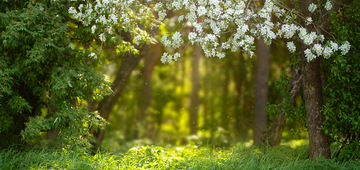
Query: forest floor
{"type": "Point", "coordinates": [240, 156]}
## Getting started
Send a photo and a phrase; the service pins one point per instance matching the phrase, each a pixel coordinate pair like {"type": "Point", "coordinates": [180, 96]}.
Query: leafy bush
{"type": "Point", "coordinates": [342, 110]}
{"type": "Point", "coordinates": [44, 79]}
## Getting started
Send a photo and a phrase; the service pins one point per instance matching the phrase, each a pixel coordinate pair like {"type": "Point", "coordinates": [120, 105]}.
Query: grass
{"type": "Point", "coordinates": [241, 156]}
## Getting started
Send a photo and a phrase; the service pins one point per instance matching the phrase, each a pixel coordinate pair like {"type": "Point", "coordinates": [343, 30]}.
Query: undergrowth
{"type": "Point", "coordinates": [241, 156]}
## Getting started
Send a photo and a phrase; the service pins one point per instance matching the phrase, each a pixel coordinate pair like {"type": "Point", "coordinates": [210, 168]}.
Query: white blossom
{"type": "Point", "coordinates": [308, 20]}
{"type": "Point", "coordinates": [176, 56]}
{"type": "Point", "coordinates": [93, 55]}
{"type": "Point", "coordinates": [158, 6]}
{"type": "Point", "coordinates": [201, 11]}
{"type": "Point", "coordinates": [165, 41]}
{"type": "Point", "coordinates": [138, 39]}
{"type": "Point", "coordinates": [312, 7]}
{"type": "Point", "coordinates": [291, 46]}
{"type": "Point", "coordinates": [177, 5]}
{"type": "Point", "coordinates": [177, 40]}
{"type": "Point", "coordinates": [321, 38]}
{"type": "Point", "coordinates": [309, 55]}
{"type": "Point", "coordinates": [327, 52]}
{"type": "Point", "coordinates": [318, 49]}
{"type": "Point", "coordinates": [345, 48]}
{"type": "Point", "coordinates": [334, 46]}
{"type": "Point", "coordinates": [181, 18]}
{"type": "Point", "coordinates": [162, 14]}
{"type": "Point", "coordinates": [102, 37]}
{"type": "Point", "coordinates": [328, 5]}
{"type": "Point", "coordinates": [93, 29]}
{"type": "Point", "coordinates": [163, 58]}
{"type": "Point", "coordinates": [192, 36]}
{"type": "Point", "coordinates": [198, 28]}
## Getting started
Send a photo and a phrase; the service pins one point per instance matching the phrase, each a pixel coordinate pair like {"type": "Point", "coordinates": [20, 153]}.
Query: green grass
{"type": "Point", "coordinates": [240, 156]}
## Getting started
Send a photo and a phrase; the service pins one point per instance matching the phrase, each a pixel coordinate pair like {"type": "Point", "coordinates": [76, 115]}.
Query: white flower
{"type": "Point", "coordinates": [327, 52]}
{"type": "Point", "coordinates": [220, 55]}
{"type": "Point", "coordinates": [93, 55]}
{"type": "Point", "coordinates": [114, 18]}
{"type": "Point", "coordinates": [308, 20]}
{"type": "Point", "coordinates": [181, 18]}
{"type": "Point", "coordinates": [163, 58]}
{"type": "Point", "coordinates": [201, 11]}
{"type": "Point", "coordinates": [165, 41]}
{"type": "Point", "coordinates": [176, 56]}
{"type": "Point", "coordinates": [138, 39]}
{"type": "Point", "coordinates": [198, 28]}
{"type": "Point", "coordinates": [177, 5]}
{"type": "Point", "coordinates": [328, 5]}
{"type": "Point", "coordinates": [72, 10]}
{"type": "Point", "coordinates": [162, 14]}
{"type": "Point", "coordinates": [251, 54]}
{"type": "Point", "coordinates": [321, 38]}
{"type": "Point", "coordinates": [158, 6]}
{"type": "Point", "coordinates": [93, 29]}
{"type": "Point", "coordinates": [334, 46]}
{"type": "Point", "coordinates": [312, 7]}
{"type": "Point", "coordinates": [345, 48]}
{"type": "Point", "coordinates": [309, 55]}
{"type": "Point", "coordinates": [192, 36]}
{"type": "Point", "coordinates": [125, 18]}
{"type": "Point", "coordinates": [102, 37]}
{"type": "Point", "coordinates": [177, 40]}
{"type": "Point", "coordinates": [291, 46]}
{"type": "Point", "coordinates": [318, 49]}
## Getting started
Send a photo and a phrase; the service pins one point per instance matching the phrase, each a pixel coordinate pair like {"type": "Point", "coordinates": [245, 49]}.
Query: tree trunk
{"type": "Point", "coordinates": [142, 124]}
{"type": "Point", "coordinates": [194, 91]}
{"type": "Point", "coordinates": [312, 89]}
{"type": "Point", "coordinates": [276, 129]}
{"type": "Point", "coordinates": [261, 92]}
{"type": "Point", "coordinates": [129, 62]}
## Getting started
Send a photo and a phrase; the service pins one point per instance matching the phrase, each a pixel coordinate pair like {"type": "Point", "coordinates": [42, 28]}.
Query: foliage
{"type": "Point", "coordinates": [240, 156]}
{"type": "Point", "coordinates": [44, 78]}
{"type": "Point", "coordinates": [342, 110]}
{"type": "Point", "coordinates": [292, 113]}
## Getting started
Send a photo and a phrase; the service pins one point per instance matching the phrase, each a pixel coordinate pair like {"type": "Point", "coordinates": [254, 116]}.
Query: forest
{"type": "Point", "coordinates": [182, 84]}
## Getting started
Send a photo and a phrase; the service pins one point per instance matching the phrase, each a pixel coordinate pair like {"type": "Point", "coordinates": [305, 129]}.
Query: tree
{"type": "Point", "coordinates": [41, 69]}
{"type": "Point", "coordinates": [261, 92]}
{"type": "Point", "coordinates": [194, 104]}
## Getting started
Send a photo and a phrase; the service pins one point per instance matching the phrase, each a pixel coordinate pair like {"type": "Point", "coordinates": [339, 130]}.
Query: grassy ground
{"type": "Point", "coordinates": [241, 156]}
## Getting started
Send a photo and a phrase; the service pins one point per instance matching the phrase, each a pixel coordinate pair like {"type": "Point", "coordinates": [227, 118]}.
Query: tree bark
{"type": "Point", "coordinates": [276, 128]}
{"type": "Point", "coordinates": [312, 91]}
{"type": "Point", "coordinates": [312, 88]}
{"type": "Point", "coordinates": [261, 92]}
{"type": "Point", "coordinates": [194, 91]}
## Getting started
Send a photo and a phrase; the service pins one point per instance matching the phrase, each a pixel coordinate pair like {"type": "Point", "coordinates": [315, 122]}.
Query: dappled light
{"type": "Point", "coordinates": [182, 84]}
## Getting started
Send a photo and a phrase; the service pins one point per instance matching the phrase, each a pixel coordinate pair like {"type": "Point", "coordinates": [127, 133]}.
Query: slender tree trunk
{"type": "Point", "coordinates": [276, 128]}
{"type": "Point", "coordinates": [261, 92]}
{"type": "Point", "coordinates": [145, 100]}
{"type": "Point", "coordinates": [194, 91]}
{"type": "Point", "coordinates": [312, 91]}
